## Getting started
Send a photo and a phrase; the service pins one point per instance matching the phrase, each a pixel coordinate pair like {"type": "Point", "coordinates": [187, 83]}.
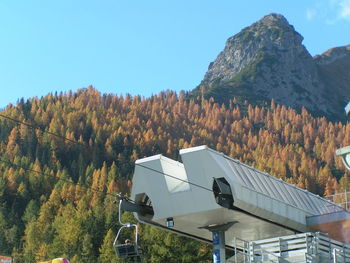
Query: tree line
{"type": "Point", "coordinates": [56, 196]}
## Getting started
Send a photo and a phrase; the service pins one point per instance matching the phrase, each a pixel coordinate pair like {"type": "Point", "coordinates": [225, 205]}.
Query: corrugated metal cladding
{"type": "Point", "coordinates": [278, 189]}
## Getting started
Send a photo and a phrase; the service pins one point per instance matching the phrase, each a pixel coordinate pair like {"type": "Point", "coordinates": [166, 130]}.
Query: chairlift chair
{"type": "Point", "coordinates": [128, 250]}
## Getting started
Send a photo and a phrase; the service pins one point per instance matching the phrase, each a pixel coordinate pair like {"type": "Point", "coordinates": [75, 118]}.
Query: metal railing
{"type": "Point", "coordinates": [342, 199]}
{"type": "Point", "coordinates": [305, 247]}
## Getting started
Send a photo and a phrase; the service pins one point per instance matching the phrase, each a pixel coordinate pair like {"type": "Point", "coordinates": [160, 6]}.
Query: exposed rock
{"type": "Point", "coordinates": [334, 70]}
{"type": "Point", "coordinates": [268, 61]}
{"type": "Point", "coordinates": [333, 55]}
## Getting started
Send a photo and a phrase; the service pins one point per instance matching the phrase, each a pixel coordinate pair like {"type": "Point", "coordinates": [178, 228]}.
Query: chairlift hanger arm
{"type": "Point", "coordinates": [128, 205]}
{"type": "Point", "coordinates": [127, 250]}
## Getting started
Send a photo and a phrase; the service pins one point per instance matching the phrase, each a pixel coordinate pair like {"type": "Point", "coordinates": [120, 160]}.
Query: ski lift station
{"type": "Point", "coordinates": [214, 198]}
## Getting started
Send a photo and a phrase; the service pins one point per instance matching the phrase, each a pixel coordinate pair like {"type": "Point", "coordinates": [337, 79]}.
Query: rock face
{"type": "Point", "coordinates": [268, 61]}
{"type": "Point", "coordinates": [334, 70]}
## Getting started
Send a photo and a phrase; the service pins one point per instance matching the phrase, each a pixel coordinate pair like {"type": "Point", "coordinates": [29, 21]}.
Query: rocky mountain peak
{"type": "Point", "coordinates": [274, 20]}
{"type": "Point", "coordinates": [270, 34]}
{"type": "Point", "coordinates": [267, 60]}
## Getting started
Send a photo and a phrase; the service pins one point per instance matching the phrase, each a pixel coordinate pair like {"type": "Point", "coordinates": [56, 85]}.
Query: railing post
{"type": "Point", "coordinates": [279, 245]}
{"type": "Point", "coordinates": [251, 252]}
{"type": "Point", "coordinates": [334, 255]}
{"type": "Point", "coordinates": [235, 240]}
{"type": "Point", "coordinates": [346, 199]}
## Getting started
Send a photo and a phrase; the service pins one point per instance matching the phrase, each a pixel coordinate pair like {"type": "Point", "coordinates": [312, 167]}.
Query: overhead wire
{"type": "Point", "coordinates": [64, 180]}
{"type": "Point", "coordinates": [87, 146]}
{"type": "Point", "coordinates": [35, 126]}
{"type": "Point", "coordinates": [55, 177]}
{"type": "Point", "coordinates": [174, 177]}
{"type": "Point", "coordinates": [32, 126]}
{"type": "Point", "coordinates": [81, 144]}
{"type": "Point", "coordinates": [41, 129]}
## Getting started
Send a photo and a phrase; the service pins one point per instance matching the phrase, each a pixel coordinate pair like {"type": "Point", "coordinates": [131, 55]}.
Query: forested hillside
{"type": "Point", "coordinates": [46, 211]}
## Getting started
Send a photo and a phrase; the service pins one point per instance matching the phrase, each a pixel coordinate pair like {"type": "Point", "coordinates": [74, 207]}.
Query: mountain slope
{"type": "Point", "coordinates": [334, 70]}
{"type": "Point", "coordinates": [67, 207]}
{"type": "Point", "coordinates": [268, 61]}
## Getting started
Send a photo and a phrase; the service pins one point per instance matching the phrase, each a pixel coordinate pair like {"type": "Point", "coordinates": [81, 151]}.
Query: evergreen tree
{"type": "Point", "coordinates": [107, 253]}
{"type": "Point", "coordinates": [45, 215]}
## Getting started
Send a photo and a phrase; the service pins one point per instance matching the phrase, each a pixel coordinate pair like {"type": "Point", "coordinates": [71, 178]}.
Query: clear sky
{"type": "Point", "coordinates": [139, 46]}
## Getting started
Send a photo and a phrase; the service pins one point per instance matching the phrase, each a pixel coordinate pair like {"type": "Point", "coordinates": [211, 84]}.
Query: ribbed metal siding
{"type": "Point", "coordinates": [280, 190]}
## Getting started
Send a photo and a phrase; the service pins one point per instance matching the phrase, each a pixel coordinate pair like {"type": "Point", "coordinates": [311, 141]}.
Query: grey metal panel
{"type": "Point", "coordinates": [245, 181]}
{"type": "Point", "coordinates": [280, 190]}
{"type": "Point", "coordinates": [286, 190]}
{"type": "Point", "coordinates": [311, 205]}
{"type": "Point", "coordinates": [251, 181]}
{"type": "Point", "coordinates": [260, 181]}
{"type": "Point", "coordinates": [304, 200]}
{"type": "Point", "coordinates": [319, 204]}
{"type": "Point", "coordinates": [272, 192]}
{"type": "Point", "coordinates": [296, 197]}
{"type": "Point", "coordinates": [256, 180]}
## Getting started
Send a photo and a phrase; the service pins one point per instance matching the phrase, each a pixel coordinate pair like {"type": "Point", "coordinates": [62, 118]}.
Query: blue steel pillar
{"type": "Point", "coordinates": [219, 253]}
{"type": "Point", "coordinates": [218, 231]}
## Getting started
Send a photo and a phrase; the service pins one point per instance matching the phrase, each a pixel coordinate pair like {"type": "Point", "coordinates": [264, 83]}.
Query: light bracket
{"type": "Point", "coordinates": [345, 154]}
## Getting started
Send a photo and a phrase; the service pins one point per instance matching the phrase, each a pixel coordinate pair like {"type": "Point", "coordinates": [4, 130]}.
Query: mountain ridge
{"type": "Point", "coordinates": [267, 60]}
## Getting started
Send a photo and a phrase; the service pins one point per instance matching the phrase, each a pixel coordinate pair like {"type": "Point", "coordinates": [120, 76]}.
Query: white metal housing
{"type": "Point", "coordinates": [263, 206]}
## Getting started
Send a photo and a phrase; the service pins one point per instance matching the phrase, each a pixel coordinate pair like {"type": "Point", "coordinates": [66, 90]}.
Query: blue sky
{"type": "Point", "coordinates": [138, 46]}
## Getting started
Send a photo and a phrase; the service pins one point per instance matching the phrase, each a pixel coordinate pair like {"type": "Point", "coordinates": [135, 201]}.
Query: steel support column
{"type": "Point", "coordinates": [218, 231]}
{"type": "Point", "coordinates": [219, 253]}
